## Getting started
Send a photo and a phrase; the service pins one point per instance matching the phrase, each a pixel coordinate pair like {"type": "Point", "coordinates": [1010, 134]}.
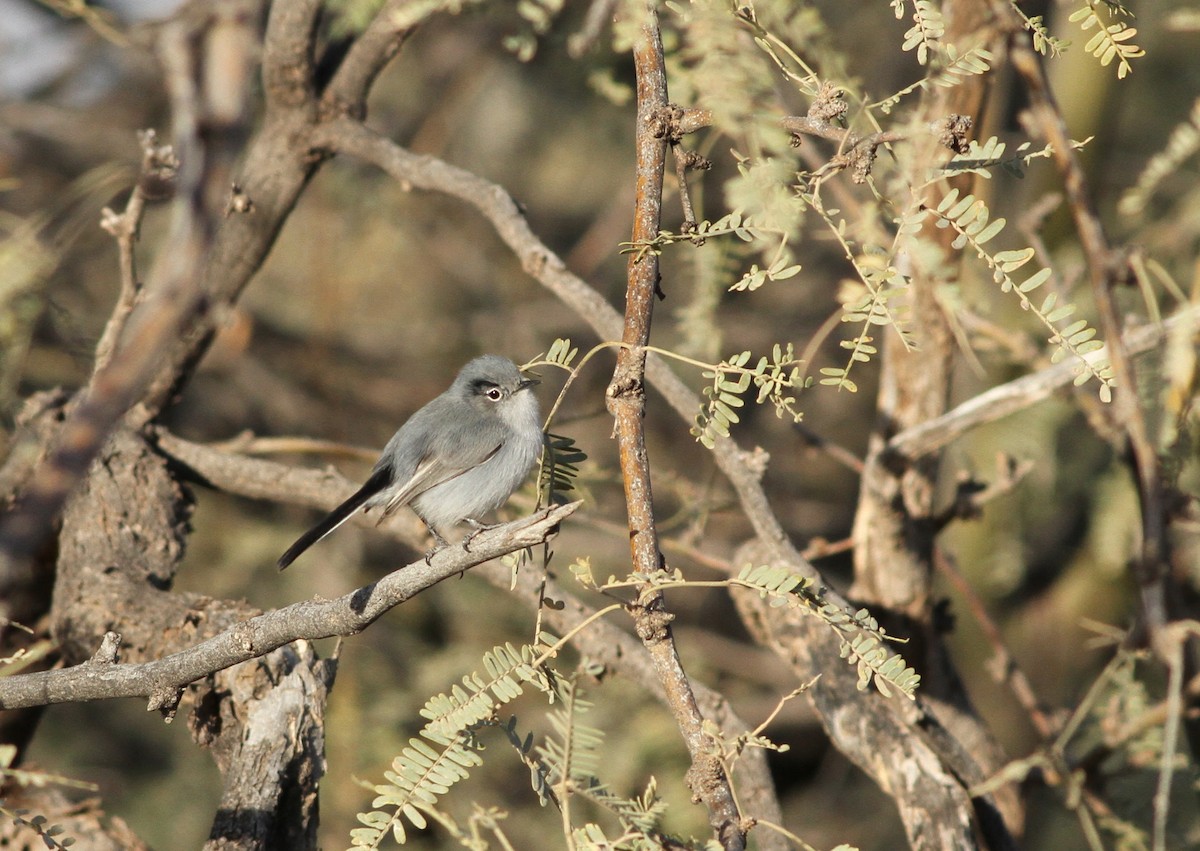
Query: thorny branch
{"type": "Point", "coordinates": [854, 152]}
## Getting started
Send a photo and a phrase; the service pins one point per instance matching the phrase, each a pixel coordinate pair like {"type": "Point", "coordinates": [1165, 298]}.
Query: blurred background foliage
{"type": "Point", "coordinates": [375, 295]}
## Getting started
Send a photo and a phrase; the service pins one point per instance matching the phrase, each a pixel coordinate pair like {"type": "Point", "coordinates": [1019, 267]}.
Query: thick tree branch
{"type": "Point", "coordinates": [163, 680]}
{"type": "Point", "coordinates": [268, 737]}
{"type": "Point", "coordinates": [175, 298]}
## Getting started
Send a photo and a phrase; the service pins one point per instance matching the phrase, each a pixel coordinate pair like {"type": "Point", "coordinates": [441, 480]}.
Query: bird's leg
{"type": "Point", "coordinates": [439, 543]}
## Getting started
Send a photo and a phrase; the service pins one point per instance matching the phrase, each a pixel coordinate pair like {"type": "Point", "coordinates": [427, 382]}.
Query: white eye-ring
{"type": "Point", "coordinates": [494, 393]}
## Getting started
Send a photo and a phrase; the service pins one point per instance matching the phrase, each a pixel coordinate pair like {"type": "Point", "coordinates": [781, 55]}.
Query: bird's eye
{"type": "Point", "coordinates": [493, 393]}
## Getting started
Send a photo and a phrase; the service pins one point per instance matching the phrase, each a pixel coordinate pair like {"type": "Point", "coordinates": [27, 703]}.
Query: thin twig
{"type": "Point", "coordinates": [598, 14]}
{"type": "Point", "coordinates": [159, 165]}
{"type": "Point", "coordinates": [1003, 665]}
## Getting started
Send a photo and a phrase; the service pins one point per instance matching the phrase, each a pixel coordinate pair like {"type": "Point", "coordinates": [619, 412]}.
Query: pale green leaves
{"type": "Point", "coordinates": [538, 15]}
{"type": "Point", "coordinates": [429, 766]}
{"type": "Point", "coordinates": [562, 353]}
{"type": "Point", "coordinates": [862, 640]}
{"type": "Point", "coordinates": [419, 775]}
{"type": "Point", "coordinates": [870, 302]}
{"type": "Point", "coordinates": [1181, 146]}
{"type": "Point", "coordinates": [950, 71]}
{"type": "Point", "coordinates": [1043, 42]}
{"type": "Point", "coordinates": [755, 277]}
{"type": "Point", "coordinates": [928, 27]}
{"type": "Point", "coordinates": [1110, 41]}
{"type": "Point", "coordinates": [572, 757]}
{"type": "Point", "coordinates": [560, 456]}
{"type": "Point", "coordinates": [969, 218]}
{"type": "Point", "coordinates": [771, 241]}
{"type": "Point", "coordinates": [981, 157]}
{"type": "Point", "coordinates": [507, 670]}
{"type": "Point", "coordinates": [774, 380]}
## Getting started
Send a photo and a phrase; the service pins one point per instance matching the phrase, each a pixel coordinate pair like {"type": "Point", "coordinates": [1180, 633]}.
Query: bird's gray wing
{"type": "Point", "coordinates": [450, 454]}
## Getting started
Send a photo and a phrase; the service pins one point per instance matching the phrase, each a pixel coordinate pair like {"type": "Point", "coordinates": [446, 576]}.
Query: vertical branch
{"type": "Point", "coordinates": [893, 543]}
{"type": "Point", "coordinates": [626, 402]}
{"type": "Point", "coordinates": [159, 165]}
{"type": "Point", "coordinates": [894, 536]}
{"type": "Point", "coordinates": [1104, 265]}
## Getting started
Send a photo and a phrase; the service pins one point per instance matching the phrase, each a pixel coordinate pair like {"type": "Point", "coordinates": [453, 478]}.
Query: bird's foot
{"type": "Point", "coordinates": [477, 527]}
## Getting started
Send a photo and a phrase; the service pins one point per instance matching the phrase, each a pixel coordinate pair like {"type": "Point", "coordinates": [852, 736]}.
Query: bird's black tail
{"type": "Point", "coordinates": [379, 480]}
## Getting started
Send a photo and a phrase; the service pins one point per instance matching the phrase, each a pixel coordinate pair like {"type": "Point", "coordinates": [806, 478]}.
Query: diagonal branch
{"type": "Point", "coordinates": [269, 480]}
{"type": "Point", "coordinates": [368, 55]}
{"type": "Point", "coordinates": [203, 139]}
{"type": "Point", "coordinates": [163, 680]}
{"type": "Point", "coordinates": [1023, 392]}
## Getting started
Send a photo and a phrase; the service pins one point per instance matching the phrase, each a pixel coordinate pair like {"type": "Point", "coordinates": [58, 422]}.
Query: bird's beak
{"type": "Point", "coordinates": [526, 383]}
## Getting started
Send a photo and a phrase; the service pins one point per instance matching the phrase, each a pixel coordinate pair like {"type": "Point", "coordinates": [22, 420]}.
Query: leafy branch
{"type": "Point", "coordinates": [981, 157]}
{"type": "Point", "coordinates": [881, 281]}
{"type": "Point", "coordinates": [778, 268]}
{"type": "Point", "coordinates": [1183, 143]}
{"type": "Point", "coordinates": [772, 45]}
{"type": "Point", "coordinates": [969, 218]}
{"type": "Point", "coordinates": [927, 29]}
{"type": "Point", "coordinates": [39, 824]}
{"type": "Point", "coordinates": [1109, 41]}
{"type": "Point", "coordinates": [956, 67]}
{"type": "Point", "coordinates": [418, 776]}
{"type": "Point", "coordinates": [572, 758]}
{"type": "Point", "coordinates": [862, 639]}
{"type": "Point", "coordinates": [773, 378]}
{"type": "Point", "coordinates": [477, 698]}
{"type": "Point", "coordinates": [1043, 42]}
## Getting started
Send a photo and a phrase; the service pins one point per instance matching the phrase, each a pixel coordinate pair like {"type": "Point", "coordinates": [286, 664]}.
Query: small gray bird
{"type": "Point", "coordinates": [456, 459]}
